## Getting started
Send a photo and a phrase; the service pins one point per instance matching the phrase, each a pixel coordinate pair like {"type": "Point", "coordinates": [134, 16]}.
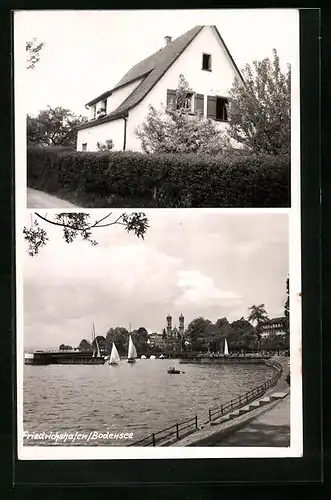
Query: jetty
{"type": "Point", "coordinates": [63, 358]}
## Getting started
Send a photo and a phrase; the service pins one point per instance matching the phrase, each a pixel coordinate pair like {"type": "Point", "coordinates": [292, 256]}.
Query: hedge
{"type": "Point", "coordinates": [131, 179]}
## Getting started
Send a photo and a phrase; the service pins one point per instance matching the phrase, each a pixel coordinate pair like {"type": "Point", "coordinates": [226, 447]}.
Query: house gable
{"type": "Point", "coordinates": [148, 81]}
{"type": "Point", "coordinates": [206, 85]}
{"type": "Point", "coordinates": [151, 70]}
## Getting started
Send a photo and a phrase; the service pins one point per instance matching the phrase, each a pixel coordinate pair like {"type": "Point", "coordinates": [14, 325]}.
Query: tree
{"type": "Point", "coordinates": [173, 129]}
{"type": "Point", "coordinates": [74, 224]}
{"type": "Point", "coordinates": [54, 127]}
{"type": "Point", "coordinates": [100, 342]}
{"type": "Point", "coordinates": [84, 345]}
{"type": "Point", "coordinates": [258, 315]}
{"type": "Point", "coordinates": [260, 108]}
{"type": "Point", "coordinates": [198, 333]}
{"type": "Point", "coordinates": [142, 332]}
{"type": "Point", "coordinates": [64, 347]}
{"type": "Point", "coordinates": [223, 327]}
{"type": "Point", "coordinates": [287, 307]}
{"type": "Point", "coordinates": [198, 327]}
{"type": "Point", "coordinates": [120, 336]}
{"type": "Point", "coordinates": [242, 334]}
{"type": "Point", "coordinates": [107, 146]}
{"type": "Point", "coordinates": [140, 338]}
{"type": "Point", "coordinates": [33, 48]}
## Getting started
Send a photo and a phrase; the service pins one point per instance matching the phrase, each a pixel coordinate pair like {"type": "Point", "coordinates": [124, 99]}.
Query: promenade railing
{"type": "Point", "coordinates": [174, 432]}
{"type": "Point", "coordinates": [240, 401]}
{"type": "Point", "coordinates": [182, 429]}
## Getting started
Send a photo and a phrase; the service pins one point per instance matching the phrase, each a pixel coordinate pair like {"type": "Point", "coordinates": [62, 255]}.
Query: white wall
{"type": "Point", "coordinates": [120, 95]}
{"type": "Point", "coordinates": [110, 130]}
{"type": "Point", "coordinates": [215, 82]}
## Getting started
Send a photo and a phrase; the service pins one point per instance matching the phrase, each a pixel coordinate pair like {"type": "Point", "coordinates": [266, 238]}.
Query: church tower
{"type": "Point", "coordinates": [169, 325]}
{"type": "Point", "coordinates": [181, 325]}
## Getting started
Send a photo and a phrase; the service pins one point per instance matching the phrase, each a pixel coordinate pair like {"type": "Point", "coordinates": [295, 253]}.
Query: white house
{"type": "Point", "coordinates": [200, 55]}
{"type": "Point", "coordinates": [274, 326]}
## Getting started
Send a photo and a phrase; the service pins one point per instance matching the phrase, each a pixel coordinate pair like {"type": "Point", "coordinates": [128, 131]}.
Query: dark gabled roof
{"type": "Point", "coordinates": [151, 70]}
{"type": "Point", "coordinates": [160, 60]}
{"type": "Point", "coordinates": [108, 118]}
{"type": "Point", "coordinates": [157, 63]}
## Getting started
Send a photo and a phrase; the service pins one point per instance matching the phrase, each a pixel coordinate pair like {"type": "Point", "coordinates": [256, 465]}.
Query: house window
{"type": "Point", "coordinates": [217, 108]}
{"type": "Point", "coordinates": [221, 109]}
{"type": "Point", "coordinates": [93, 112]}
{"type": "Point", "coordinates": [187, 103]}
{"type": "Point", "coordinates": [84, 146]}
{"type": "Point", "coordinates": [103, 108]}
{"type": "Point", "coordinates": [206, 62]}
{"type": "Point", "coordinates": [171, 97]}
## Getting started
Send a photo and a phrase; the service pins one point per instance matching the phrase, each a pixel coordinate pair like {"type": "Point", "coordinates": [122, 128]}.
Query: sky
{"type": "Point", "coordinates": [87, 52]}
{"type": "Point", "coordinates": [197, 262]}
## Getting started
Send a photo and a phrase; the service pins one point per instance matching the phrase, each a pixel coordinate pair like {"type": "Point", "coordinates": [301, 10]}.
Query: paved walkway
{"type": "Point", "coordinates": [270, 429]}
{"type": "Point", "coordinates": [39, 199]}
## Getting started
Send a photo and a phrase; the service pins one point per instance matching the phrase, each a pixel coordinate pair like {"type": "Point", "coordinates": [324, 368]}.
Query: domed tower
{"type": "Point", "coordinates": [181, 325]}
{"type": "Point", "coordinates": [169, 325]}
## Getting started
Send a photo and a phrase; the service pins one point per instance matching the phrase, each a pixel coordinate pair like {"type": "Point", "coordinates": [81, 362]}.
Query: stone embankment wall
{"type": "Point", "coordinates": [207, 435]}
{"type": "Point", "coordinates": [284, 364]}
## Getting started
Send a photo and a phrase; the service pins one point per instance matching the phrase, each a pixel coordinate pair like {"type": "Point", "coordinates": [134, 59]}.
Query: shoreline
{"type": "Point", "coordinates": [220, 428]}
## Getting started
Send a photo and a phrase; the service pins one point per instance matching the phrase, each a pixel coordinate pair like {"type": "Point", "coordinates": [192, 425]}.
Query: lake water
{"type": "Point", "coordinates": [138, 398]}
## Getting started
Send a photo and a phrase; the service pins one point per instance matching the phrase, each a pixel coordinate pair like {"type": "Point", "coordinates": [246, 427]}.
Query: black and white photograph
{"type": "Point", "coordinates": [197, 112]}
{"type": "Point", "coordinates": [160, 329]}
{"type": "Point", "coordinates": [158, 234]}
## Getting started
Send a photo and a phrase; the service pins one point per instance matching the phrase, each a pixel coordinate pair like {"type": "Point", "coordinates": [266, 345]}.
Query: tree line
{"type": "Point", "coordinates": [203, 335]}
{"type": "Point", "coordinates": [120, 336]}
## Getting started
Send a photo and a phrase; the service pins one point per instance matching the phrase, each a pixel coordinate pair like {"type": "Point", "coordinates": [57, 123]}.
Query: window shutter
{"type": "Point", "coordinates": [171, 97]}
{"type": "Point", "coordinates": [199, 103]}
{"type": "Point", "coordinates": [211, 107]}
{"type": "Point", "coordinates": [232, 107]}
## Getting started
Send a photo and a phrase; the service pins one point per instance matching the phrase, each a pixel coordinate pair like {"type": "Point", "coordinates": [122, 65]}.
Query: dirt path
{"type": "Point", "coordinates": [39, 199]}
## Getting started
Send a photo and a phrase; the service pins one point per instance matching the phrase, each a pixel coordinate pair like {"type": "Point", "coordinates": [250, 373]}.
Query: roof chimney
{"type": "Point", "coordinates": [167, 39]}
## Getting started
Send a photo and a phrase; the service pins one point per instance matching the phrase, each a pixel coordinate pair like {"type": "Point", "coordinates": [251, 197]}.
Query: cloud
{"type": "Point", "coordinates": [201, 290]}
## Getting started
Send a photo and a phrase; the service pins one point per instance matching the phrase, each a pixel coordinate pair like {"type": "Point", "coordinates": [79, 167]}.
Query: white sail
{"type": "Point", "coordinates": [132, 353]}
{"type": "Point", "coordinates": [226, 349]}
{"type": "Point", "coordinates": [93, 339]}
{"type": "Point", "coordinates": [98, 349]}
{"type": "Point", "coordinates": [114, 356]}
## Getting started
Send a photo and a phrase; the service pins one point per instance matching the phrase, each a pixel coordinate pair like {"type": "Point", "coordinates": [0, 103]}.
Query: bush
{"type": "Point", "coordinates": [131, 179]}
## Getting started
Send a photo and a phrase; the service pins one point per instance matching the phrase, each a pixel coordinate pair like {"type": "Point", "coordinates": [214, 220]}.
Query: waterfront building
{"type": "Point", "coordinates": [274, 326]}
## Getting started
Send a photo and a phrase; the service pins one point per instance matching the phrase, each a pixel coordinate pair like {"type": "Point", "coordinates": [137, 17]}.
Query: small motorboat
{"type": "Point", "coordinates": [172, 370]}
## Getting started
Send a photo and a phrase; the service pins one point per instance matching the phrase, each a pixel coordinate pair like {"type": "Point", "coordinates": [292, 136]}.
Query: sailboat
{"type": "Point", "coordinates": [97, 353]}
{"type": "Point", "coordinates": [132, 352]}
{"type": "Point", "coordinates": [114, 356]}
{"type": "Point", "coordinates": [97, 358]}
{"type": "Point", "coordinates": [226, 349]}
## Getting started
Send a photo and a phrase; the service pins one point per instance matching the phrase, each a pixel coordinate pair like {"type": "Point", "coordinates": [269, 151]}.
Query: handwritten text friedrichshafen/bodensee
{"type": "Point", "coordinates": [76, 436]}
